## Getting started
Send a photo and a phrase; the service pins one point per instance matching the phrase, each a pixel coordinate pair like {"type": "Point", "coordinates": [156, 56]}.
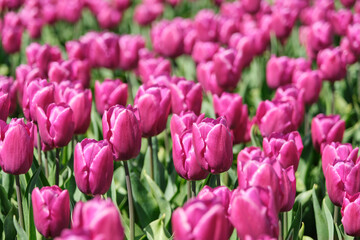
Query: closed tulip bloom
{"type": "Point", "coordinates": [11, 33]}
{"type": "Point", "coordinates": [268, 172]}
{"type": "Point", "coordinates": [153, 103]}
{"type": "Point", "coordinates": [56, 125]}
{"type": "Point", "coordinates": [213, 144]}
{"type": "Point", "coordinates": [279, 71]}
{"type": "Point", "coordinates": [57, 72]}
{"type": "Point", "coordinates": [51, 209]}
{"type": "Point", "coordinates": [229, 105]}
{"type": "Point", "coordinates": [109, 93]}
{"type": "Point", "coordinates": [186, 96]}
{"type": "Point", "coordinates": [200, 219]}
{"type": "Point", "coordinates": [337, 152]}
{"type": "Point", "coordinates": [246, 51]}
{"type": "Point", "coordinates": [184, 157]}
{"type": "Point", "coordinates": [80, 102]}
{"type": "Point", "coordinates": [100, 218]}
{"type": "Point", "coordinates": [282, 22]}
{"type": "Point", "coordinates": [153, 67]}
{"type": "Point", "coordinates": [250, 153]}
{"type": "Point", "coordinates": [129, 51]}
{"type": "Point", "coordinates": [341, 178]}
{"type": "Point", "coordinates": [259, 204]}
{"type": "Point", "coordinates": [319, 36]}
{"type": "Point", "coordinates": [331, 64]}
{"type": "Point", "coordinates": [108, 17]}
{"type": "Point", "coordinates": [311, 83]}
{"type": "Point", "coordinates": [121, 127]}
{"type": "Point", "coordinates": [206, 24]}
{"type": "Point", "coordinates": [350, 211]}
{"type": "Point", "coordinates": [204, 51]}
{"type": "Point", "coordinates": [348, 3]}
{"type": "Point", "coordinates": [70, 234]}
{"type": "Point", "coordinates": [104, 50]}
{"type": "Point", "coordinates": [241, 134]}
{"type": "Point", "coordinates": [227, 27]}
{"type": "Point", "coordinates": [226, 68]}
{"type": "Point", "coordinates": [326, 129]}
{"type": "Point", "coordinates": [4, 105]}
{"type": "Point", "coordinates": [286, 149]}
{"type": "Point", "coordinates": [146, 13]}
{"type": "Point", "coordinates": [206, 76]}
{"type": "Point", "coordinates": [14, 160]}
{"type": "Point", "coordinates": [93, 166]}
{"type": "Point", "coordinates": [340, 21]}
{"type": "Point", "coordinates": [275, 116]}
{"type": "Point", "coordinates": [80, 71]}
{"type": "Point", "coordinates": [295, 97]}
{"type": "Point", "coordinates": [349, 56]}
{"type": "Point", "coordinates": [251, 6]}
{"type": "Point", "coordinates": [38, 93]}
{"type": "Point", "coordinates": [7, 85]}
{"type": "Point", "coordinates": [42, 55]}
{"type": "Point", "coordinates": [353, 37]}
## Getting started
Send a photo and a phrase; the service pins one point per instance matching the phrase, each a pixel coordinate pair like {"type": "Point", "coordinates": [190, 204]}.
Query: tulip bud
{"type": "Point", "coordinates": [279, 71]}
{"type": "Point", "coordinates": [153, 103]}
{"type": "Point", "coordinates": [226, 28]}
{"type": "Point", "coordinates": [213, 144]}
{"type": "Point", "coordinates": [295, 97]}
{"type": "Point", "coordinates": [319, 36]}
{"type": "Point", "coordinates": [331, 64]}
{"type": "Point", "coordinates": [206, 77]}
{"type": "Point", "coordinates": [108, 17]}
{"type": "Point", "coordinates": [80, 102]}
{"type": "Point", "coordinates": [349, 212]}
{"type": "Point", "coordinates": [311, 83]}
{"type": "Point", "coordinates": [121, 127]}
{"type": "Point", "coordinates": [283, 20]}
{"type": "Point", "coordinates": [153, 67]}
{"type": "Point", "coordinates": [11, 32]}
{"type": "Point", "coordinates": [14, 160]}
{"type": "Point", "coordinates": [93, 166]}
{"type": "Point", "coordinates": [100, 218]}
{"type": "Point", "coordinates": [275, 116]}
{"type": "Point", "coordinates": [186, 96]}
{"type": "Point", "coordinates": [129, 51]}
{"type": "Point", "coordinates": [75, 50]}
{"type": "Point", "coordinates": [337, 152]}
{"type": "Point", "coordinates": [348, 54]}
{"type": "Point", "coordinates": [109, 93]}
{"type": "Point", "coordinates": [104, 50]}
{"type": "Point", "coordinates": [340, 21]}
{"type": "Point", "coordinates": [341, 178]}
{"type": "Point", "coordinates": [7, 85]}
{"type": "Point", "coordinates": [241, 134]}
{"type": "Point", "coordinates": [286, 149]}
{"type": "Point", "coordinates": [51, 209]}
{"type": "Point", "coordinates": [57, 72]}
{"type": "Point", "coordinates": [204, 51]}
{"type": "Point", "coordinates": [69, 10]}
{"type": "Point", "coordinates": [326, 129]}
{"type": "Point", "coordinates": [42, 55]}
{"type": "Point", "coordinates": [56, 125]}
{"type": "Point", "coordinates": [201, 219]}
{"type": "Point", "coordinates": [184, 157]}
{"type": "Point", "coordinates": [206, 24]}
{"type": "Point", "coordinates": [251, 6]}
{"type": "Point", "coordinates": [146, 13]}
{"type": "Point", "coordinates": [230, 106]}
{"type": "Point", "coordinates": [258, 203]}
{"type": "Point", "coordinates": [226, 68]}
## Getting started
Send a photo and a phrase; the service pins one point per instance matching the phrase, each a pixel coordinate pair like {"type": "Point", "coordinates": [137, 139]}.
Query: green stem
{"type": "Point", "coordinates": [19, 200]}
{"type": "Point", "coordinates": [188, 190]}
{"type": "Point", "coordinates": [306, 122]}
{"type": "Point", "coordinates": [151, 158]}
{"type": "Point", "coordinates": [39, 147]}
{"type": "Point", "coordinates": [218, 182]}
{"type": "Point", "coordinates": [166, 142]}
{"type": "Point", "coordinates": [130, 200]}
{"type": "Point", "coordinates": [193, 189]}
{"type": "Point", "coordinates": [46, 165]}
{"type": "Point", "coordinates": [57, 162]}
{"type": "Point", "coordinates": [285, 223]}
{"type": "Point", "coordinates": [336, 214]}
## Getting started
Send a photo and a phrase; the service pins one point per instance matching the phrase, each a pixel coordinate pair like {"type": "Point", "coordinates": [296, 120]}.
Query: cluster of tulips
{"type": "Point", "coordinates": [55, 97]}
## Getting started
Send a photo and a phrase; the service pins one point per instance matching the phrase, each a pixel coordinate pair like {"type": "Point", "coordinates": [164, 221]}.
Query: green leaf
{"type": "Point", "coordinates": [329, 219]}
{"type": "Point", "coordinates": [156, 230]}
{"type": "Point", "coordinates": [295, 225]}
{"type": "Point", "coordinates": [5, 203]}
{"type": "Point", "coordinates": [8, 181]}
{"type": "Point", "coordinates": [32, 182]}
{"type": "Point", "coordinates": [21, 233]}
{"type": "Point", "coordinates": [256, 138]}
{"type": "Point", "coordinates": [10, 231]}
{"type": "Point", "coordinates": [301, 231]}
{"type": "Point", "coordinates": [320, 219]}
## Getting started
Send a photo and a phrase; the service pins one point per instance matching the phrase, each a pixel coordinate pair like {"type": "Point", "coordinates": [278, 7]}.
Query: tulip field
{"type": "Point", "coordinates": [179, 119]}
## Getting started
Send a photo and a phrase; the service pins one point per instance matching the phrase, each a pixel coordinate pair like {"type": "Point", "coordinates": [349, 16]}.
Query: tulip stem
{"type": "Point", "coordinates": [193, 189]}
{"type": "Point", "coordinates": [39, 148]}
{"type": "Point", "coordinates": [46, 165]}
{"type": "Point", "coordinates": [57, 162]}
{"type": "Point", "coordinates": [333, 98]}
{"type": "Point", "coordinates": [166, 142]}
{"type": "Point", "coordinates": [188, 190]}
{"type": "Point", "coordinates": [285, 223]}
{"type": "Point", "coordinates": [19, 200]}
{"type": "Point", "coordinates": [218, 179]}
{"type": "Point", "coordinates": [336, 214]}
{"type": "Point", "coordinates": [130, 199]}
{"type": "Point", "coordinates": [151, 159]}
{"type": "Point", "coordinates": [306, 122]}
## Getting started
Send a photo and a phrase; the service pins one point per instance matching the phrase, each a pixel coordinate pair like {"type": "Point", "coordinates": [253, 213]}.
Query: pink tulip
{"type": "Point", "coordinates": [331, 64]}
{"type": "Point", "coordinates": [348, 3]}
{"type": "Point", "coordinates": [146, 13]}
{"type": "Point", "coordinates": [42, 55]}
{"type": "Point", "coordinates": [206, 24]}
{"type": "Point", "coordinates": [129, 51]}
{"type": "Point", "coordinates": [340, 21]}
{"type": "Point", "coordinates": [279, 71]}
{"type": "Point", "coordinates": [337, 152]}
{"type": "Point", "coordinates": [204, 51]}
{"type": "Point", "coordinates": [153, 67]}
{"type": "Point", "coordinates": [51, 208]}
{"type": "Point", "coordinates": [186, 96]}
{"type": "Point", "coordinates": [350, 211]}
{"type": "Point", "coordinates": [311, 83]}
{"type": "Point", "coordinates": [251, 6]}
{"type": "Point", "coordinates": [11, 32]}
{"type": "Point", "coordinates": [14, 160]}
{"type": "Point", "coordinates": [230, 106]}
{"type": "Point", "coordinates": [226, 68]}
{"type": "Point", "coordinates": [206, 76]}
